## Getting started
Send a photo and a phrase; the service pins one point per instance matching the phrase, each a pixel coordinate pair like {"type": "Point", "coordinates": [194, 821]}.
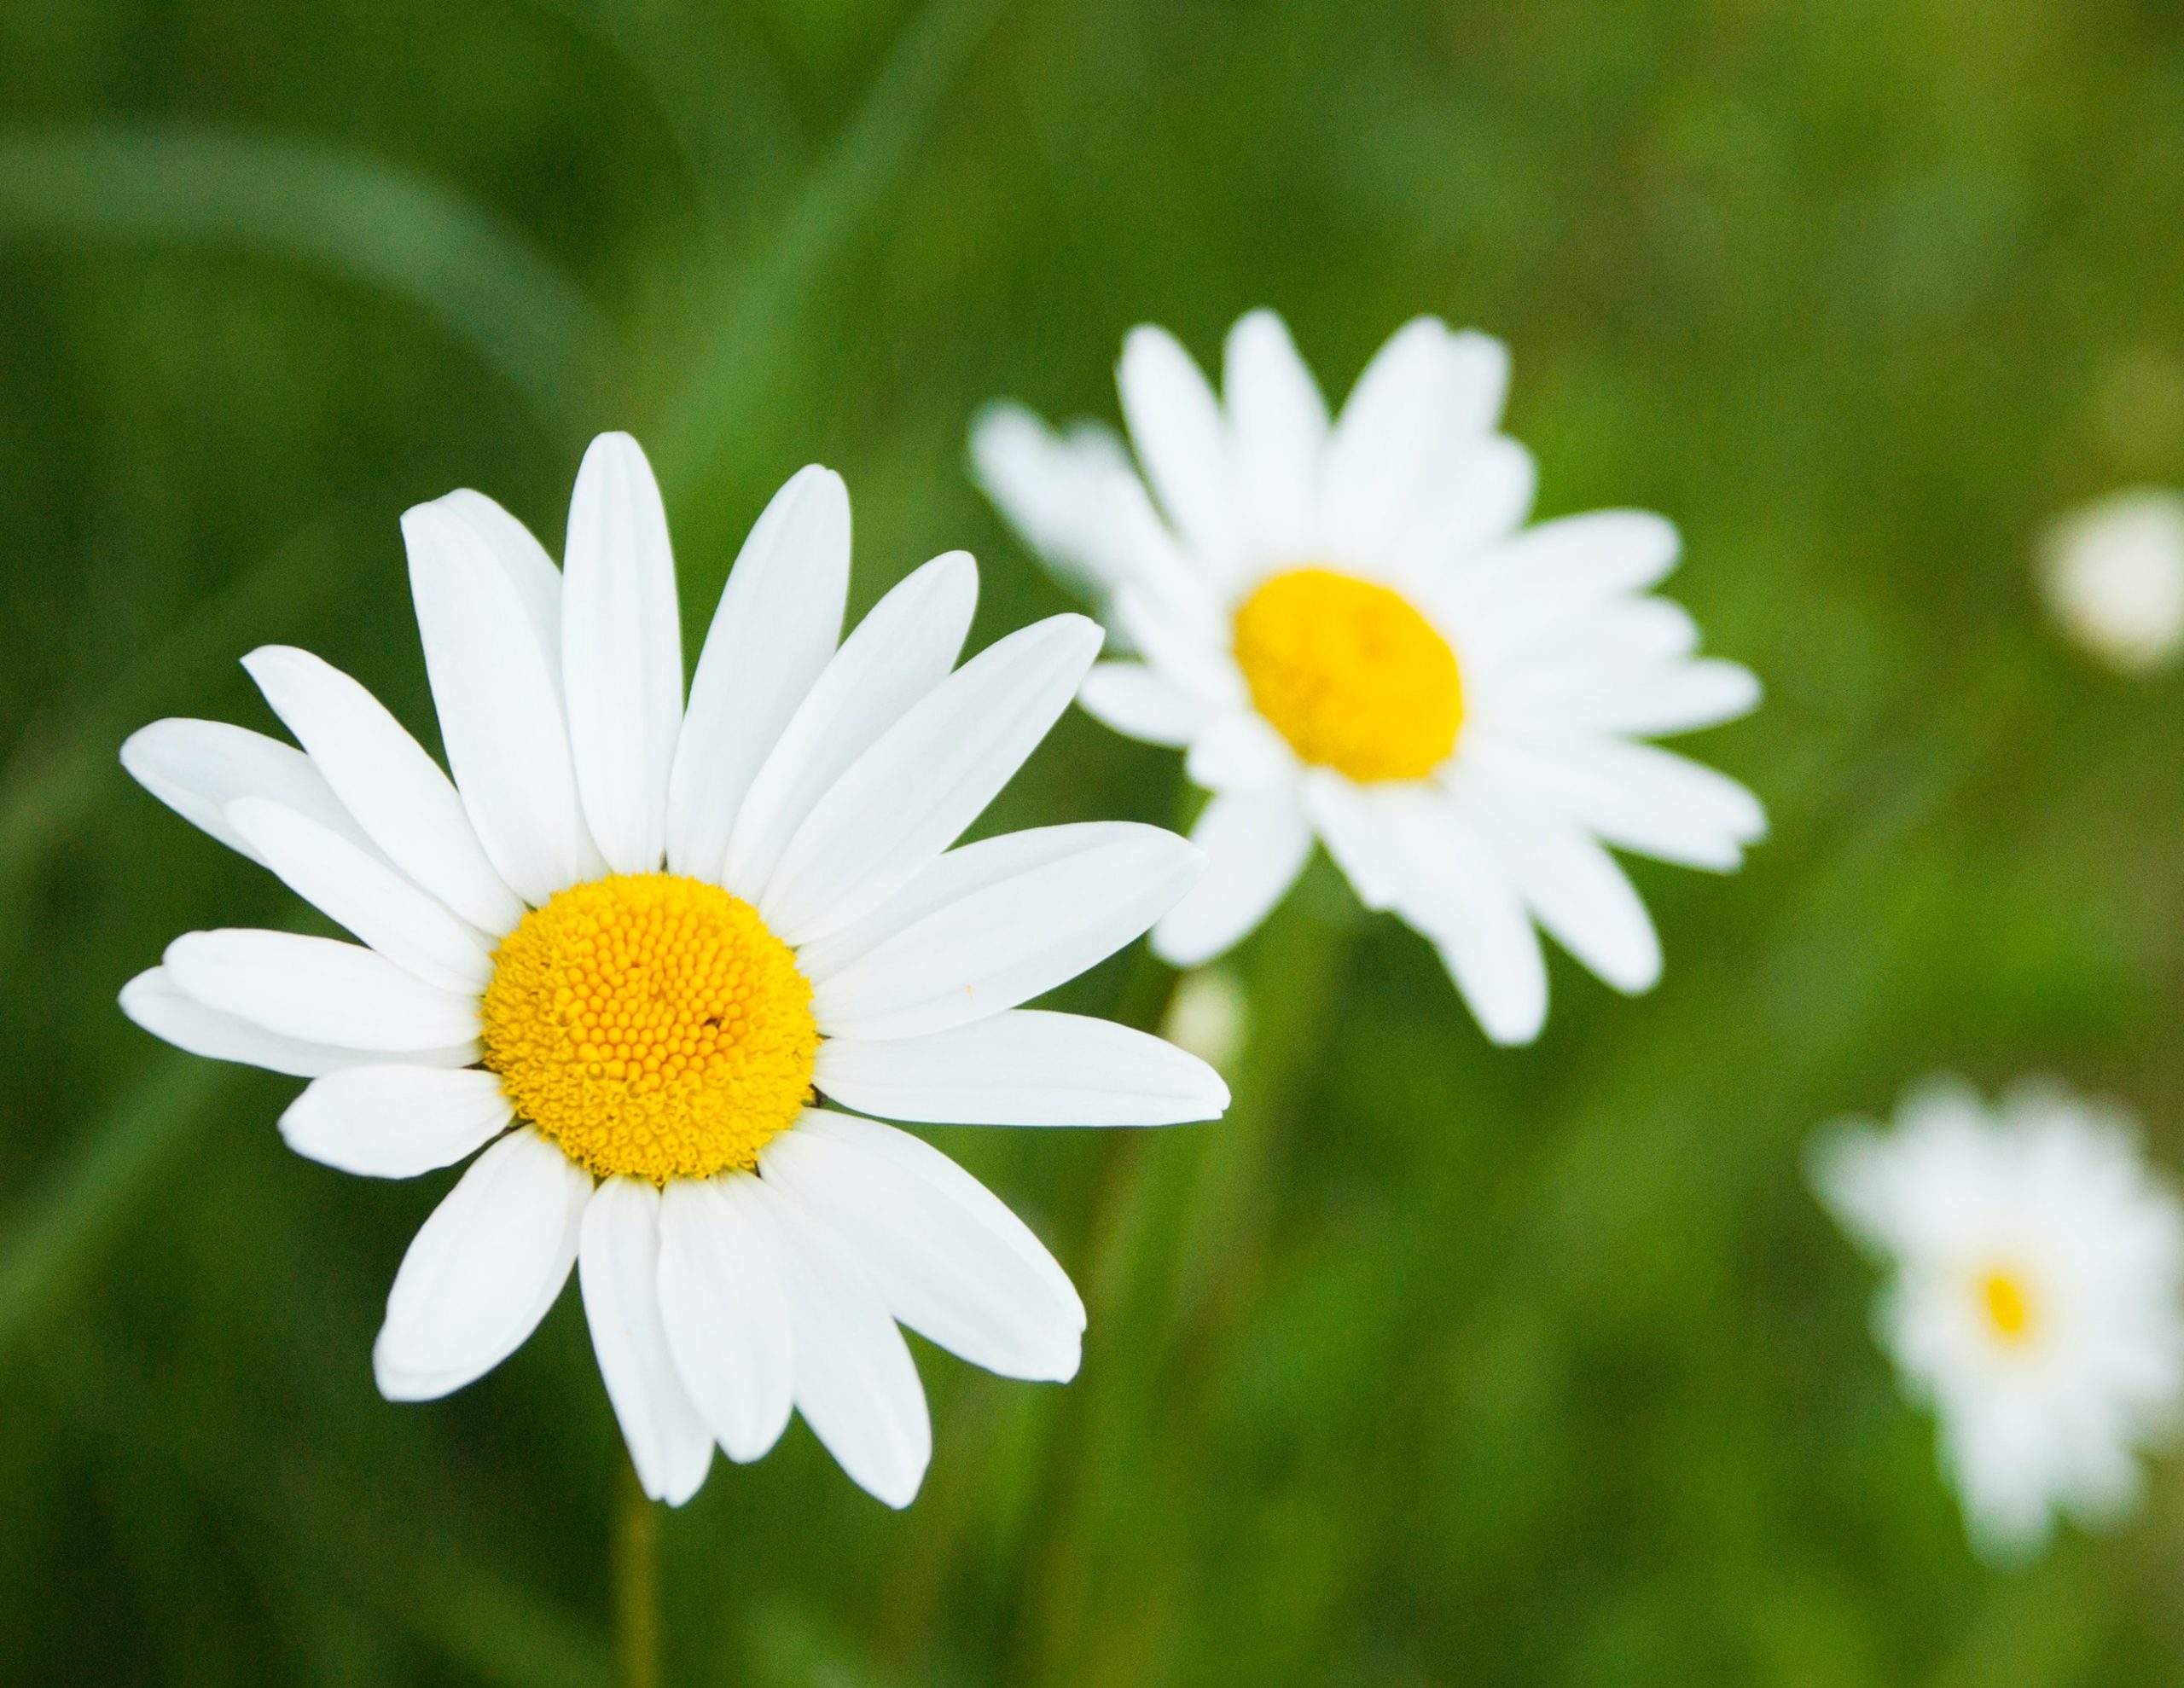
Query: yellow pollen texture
{"type": "Point", "coordinates": [2008, 1305]}
{"type": "Point", "coordinates": [1350, 674]}
{"type": "Point", "coordinates": [652, 1026]}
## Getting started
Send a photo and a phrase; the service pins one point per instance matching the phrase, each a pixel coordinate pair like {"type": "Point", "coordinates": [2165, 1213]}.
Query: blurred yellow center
{"type": "Point", "coordinates": [652, 1026]}
{"type": "Point", "coordinates": [1350, 674]}
{"type": "Point", "coordinates": [2007, 1304]}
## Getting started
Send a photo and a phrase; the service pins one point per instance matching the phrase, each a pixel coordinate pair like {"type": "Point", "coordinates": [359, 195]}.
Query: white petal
{"type": "Point", "coordinates": [1484, 497]}
{"type": "Point", "coordinates": [523, 563]}
{"type": "Point", "coordinates": [898, 654]}
{"type": "Point", "coordinates": [856, 1384]}
{"type": "Point", "coordinates": [1278, 424]}
{"type": "Point", "coordinates": [198, 767]}
{"type": "Point", "coordinates": [930, 775]}
{"type": "Point", "coordinates": [1572, 561]}
{"type": "Point", "coordinates": [1239, 751]}
{"type": "Point", "coordinates": [1186, 647]}
{"type": "Point", "coordinates": [1581, 898]}
{"type": "Point", "coordinates": [483, 1270]}
{"type": "Point", "coordinates": [320, 990]}
{"type": "Point", "coordinates": [779, 616]}
{"type": "Point", "coordinates": [1011, 939]}
{"type": "Point", "coordinates": [725, 1313]}
{"type": "Point", "coordinates": [621, 652]}
{"type": "Point", "coordinates": [356, 888]}
{"type": "Point", "coordinates": [949, 879]}
{"type": "Point", "coordinates": [1426, 397]}
{"type": "Point", "coordinates": [1176, 426]}
{"type": "Point", "coordinates": [156, 1003]}
{"type": "Point", "coordinates": [383, 777]}
{"type": "Point", "coordinates": [1350, 827]}
{"type": "Point", "coordinates": [1681, 699]}
{"type": "Point", "coordinates": [1025, 1067]}
{"type": "Point", "coordinates": [500, 706]}
{"type": "Point", "coordinates": [916, 1158]}
{"type": "Point", "coordinates": [937, 1261]}
{"type": "Point", "coordinates": [1051, 489]}
{"type": "Point", "coordinates": [1256, 844]}
{"type": "Point", "coordinates": [396, 1121]}
{"type": "Point", "coordinates": [1639, 797]}
{"type": "Point", "coordinates": [617, 1269]}
{"type": "Point", "coordinates": [1456, 891]}
{"type": "Point", "coordinates": [1139, 703]}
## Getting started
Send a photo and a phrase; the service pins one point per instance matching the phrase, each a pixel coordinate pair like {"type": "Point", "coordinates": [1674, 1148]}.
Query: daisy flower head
{"type": "Point", "coordinates": [2036, 1296]}
{"type": "Point", "coordinates": [1349, 628]}
{"type": "Point", "coordinates": [651, 959]}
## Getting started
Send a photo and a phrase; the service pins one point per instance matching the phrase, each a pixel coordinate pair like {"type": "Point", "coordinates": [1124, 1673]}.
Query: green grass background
{"type": "Point", "coordinates": [1434, 1363]}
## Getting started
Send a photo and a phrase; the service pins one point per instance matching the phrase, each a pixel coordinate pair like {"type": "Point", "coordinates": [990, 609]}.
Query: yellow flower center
{"type": "Point", "coordinates": [2007, 1304]}
{"type": "Point", "coordinates": [1350, 674]}
{"type": "Point", "coordinates": [652, 1026]}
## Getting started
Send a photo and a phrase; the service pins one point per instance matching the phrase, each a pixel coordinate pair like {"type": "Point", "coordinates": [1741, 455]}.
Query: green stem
{"type": "Point", "coordinates": [635, 1553]}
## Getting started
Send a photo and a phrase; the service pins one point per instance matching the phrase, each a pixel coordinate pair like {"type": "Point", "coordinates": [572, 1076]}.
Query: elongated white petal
{"type": "Point", "coordinates": [949, 879]}
{"type": "Point", "coordinates": [1278, 429]}
{"type": "Point", "coordinates": [1455, 889]}
{"type": "Point", "coordinates": [1350, 827]}
{"type": "Point", "coordinates": [856, 1383]}
{"type": "Point", "coordinates": [1568, 562]}
{"type": "Point", "coordinates": [1010, 939]}
{"type": "Point", "coordinates": [1139, 703]}
{"type": "Point", "coordinates": [1053, 490]}
{"type": "Point", "coordinates": [1025, 1067]}
{"type": "Point", "coordinates": [198, 767]}
{"type": "Point", "coordinates": [500, 707]}
{"type": "Point", "coordinates": [1239, 751]}
{"type": "Point", "coordinates": [1176, 424]}
{"type": "Point", "coordinates": [898, 654]}
{"type": "Point", "coordinates": [1482, 498]}
{"type": "Point", "coordinates": [1582, 899]}
{"type": "Point", "coordinates": [937, 1261]}
{"type": "Point", "coordinates": [383, 777]}
{"type": "Point", "coordinates": [396, 1121]}
{"type": "Point", "coordinates": [722, 1304]}
{"type": "Point", "coordinates": [357, 890]}
{"type": "Point", "coordinates": [779, 619]}
{"type": "Point", "coordinates": [617, 1269]}
{"type": "Point", "coordinates": [621, 652]}
{"type": "Point", "coordinates": [1638, 797]}
{"type": "Point", "coordinates": [320, 990]}
{"type": "Point", "coordinates": [929, 776]}
{"type": "Point", "coordinates": [914, 1159]}
{"type": "Point", "coordinates": [1389, 427]}
{"type": "Point", "coordinates": [156, 1003]}
{"type": "Point", "coordinates": [1189, 650]}
{"type": "Point", "coordinates": [1681, 699]}
{"type": "Point", "coordinates": [523, 563]}
{"type": "Point", "coordinates": [1256, 844]}
{"type": "Point", "coordinates": [483, 1270]}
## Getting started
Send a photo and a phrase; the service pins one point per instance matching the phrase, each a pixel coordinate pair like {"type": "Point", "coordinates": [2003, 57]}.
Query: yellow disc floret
{"type": "Point", "coordinates": [652, 1026]}
{"type": "Point", "coordinates": [2007, 1304]}
{"type": "Point", "coordinates": [1350, 674]}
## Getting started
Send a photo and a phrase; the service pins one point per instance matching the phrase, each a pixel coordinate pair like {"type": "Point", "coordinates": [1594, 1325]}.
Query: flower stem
{"type": "Point", "coordinates": [635, 1553]}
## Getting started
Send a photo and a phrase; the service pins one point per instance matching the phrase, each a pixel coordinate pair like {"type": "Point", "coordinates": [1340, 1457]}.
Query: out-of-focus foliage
{"type": "Point", "coordinates": [1433, 1363]}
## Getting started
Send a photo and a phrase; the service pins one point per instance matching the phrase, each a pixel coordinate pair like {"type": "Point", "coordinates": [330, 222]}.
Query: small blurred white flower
{"type": "Point", "coordinates": [1346, 623]}
{"type": "Point", "coordinates": [2113, 575]}
{"type": "Point", "coordinates": [1210, 1016]}
{"type": "Point", "coordinates": [2036, 1301]}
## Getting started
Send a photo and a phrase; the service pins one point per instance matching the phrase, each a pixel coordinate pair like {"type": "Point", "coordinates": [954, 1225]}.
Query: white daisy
{"type": "Point", "coordinates": [642, 955]}
{"type": "Point", "coordinates": [2035, 1295]}
{"type": "Point", "coordinates": [2112, 573]}
{"type": "Point", "coordinates": [1350, 629]}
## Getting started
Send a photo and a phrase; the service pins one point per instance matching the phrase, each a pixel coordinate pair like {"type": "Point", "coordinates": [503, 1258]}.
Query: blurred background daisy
{"type": "Point", "coordinates": [1436, 1360]}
